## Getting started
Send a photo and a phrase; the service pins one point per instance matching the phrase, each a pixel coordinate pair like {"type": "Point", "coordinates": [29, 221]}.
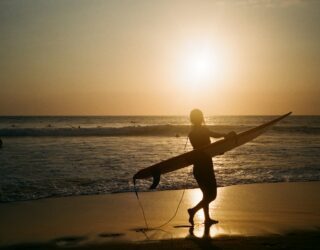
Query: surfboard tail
{"type": "Point", "coordinates": [155, 174]}
{"type": "Point", "coordinates": [155, 178]}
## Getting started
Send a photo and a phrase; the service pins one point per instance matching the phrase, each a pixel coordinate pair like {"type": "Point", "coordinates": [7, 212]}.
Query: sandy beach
{"type": "Point", "coordinates": [255, 216]}
{"type": "Point", "coordinates": [172, 97]}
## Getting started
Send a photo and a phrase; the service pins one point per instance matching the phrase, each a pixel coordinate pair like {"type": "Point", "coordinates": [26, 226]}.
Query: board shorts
{"type": "Point", "coordinates": [204, 174]}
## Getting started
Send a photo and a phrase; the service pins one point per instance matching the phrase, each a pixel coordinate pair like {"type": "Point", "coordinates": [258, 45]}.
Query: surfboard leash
{"type": "Point", "coordinates": [176, 211]}
{"type": "Point", "coordinates": [180, 201]}
{"type": "Point", "coordinates": [140, 205]}
{"type": "Point", "coordinates": [173, 216]}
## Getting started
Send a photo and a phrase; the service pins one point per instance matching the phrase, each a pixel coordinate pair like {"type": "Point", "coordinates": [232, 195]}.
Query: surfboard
{"type": "Point", "coordinates": [232, 141]}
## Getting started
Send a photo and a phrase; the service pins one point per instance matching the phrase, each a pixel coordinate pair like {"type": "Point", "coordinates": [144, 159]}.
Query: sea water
{"type": "Point", "coordinates": [66, 156]}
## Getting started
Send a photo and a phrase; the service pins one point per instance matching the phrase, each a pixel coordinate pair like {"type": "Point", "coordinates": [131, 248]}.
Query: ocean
{"type": "Point", "coordinates": [58, 156]}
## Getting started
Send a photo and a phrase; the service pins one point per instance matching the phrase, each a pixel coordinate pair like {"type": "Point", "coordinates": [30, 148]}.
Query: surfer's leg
{"type": "Point", "coordinates": [204, 175]}
{"type": "Point", "coordinates": [206, 211]}
{"type": "Point", "coordinates": [207, 219]}
{"type": "Point", "coordinates": [204, 204]}
{"type": "Point", "coordinates": [209, 196]}
{"type": "Point", "coordinates": [197, 176]}
{"type": "Point", "coordinates": [194, 210]}
{"type": "Point", "coordinates": [191, 215]}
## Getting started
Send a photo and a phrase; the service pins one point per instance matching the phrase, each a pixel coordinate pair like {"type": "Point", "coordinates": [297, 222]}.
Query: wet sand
{"type": "Point", "coordinates": [256, 216]}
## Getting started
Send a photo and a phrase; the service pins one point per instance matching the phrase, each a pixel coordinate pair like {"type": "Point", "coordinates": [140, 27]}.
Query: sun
{"type": "Point", "coordinates": [200, 65]}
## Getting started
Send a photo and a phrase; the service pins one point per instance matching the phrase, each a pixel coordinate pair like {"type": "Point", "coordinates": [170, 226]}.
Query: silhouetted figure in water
{"type": "Point", "coordinates": [203, 167]}
{"type": "Point", "coordinates": [1, 143]}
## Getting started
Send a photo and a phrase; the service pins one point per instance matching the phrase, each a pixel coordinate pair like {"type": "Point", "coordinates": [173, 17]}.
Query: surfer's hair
{"type": "Point", "coordinates": [196, 117]}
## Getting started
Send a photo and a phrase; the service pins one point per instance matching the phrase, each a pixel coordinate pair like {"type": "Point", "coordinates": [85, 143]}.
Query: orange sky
{"type": "Point", "coordinates": [159, 57]}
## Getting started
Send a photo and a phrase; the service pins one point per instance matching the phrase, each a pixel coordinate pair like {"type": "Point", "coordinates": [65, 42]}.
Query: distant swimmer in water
{"type": "Point", "coordinates": [203, 171]}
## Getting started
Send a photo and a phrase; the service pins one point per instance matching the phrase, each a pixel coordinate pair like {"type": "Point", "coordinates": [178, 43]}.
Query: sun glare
{"type": "Point", "coordinates": [201, 65]}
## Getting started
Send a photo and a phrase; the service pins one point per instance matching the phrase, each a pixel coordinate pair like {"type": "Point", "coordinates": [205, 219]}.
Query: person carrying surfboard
{"type": "Point", "coordinates": [203, 171]}
{"type": "Point", "coordinates": [200, 157]}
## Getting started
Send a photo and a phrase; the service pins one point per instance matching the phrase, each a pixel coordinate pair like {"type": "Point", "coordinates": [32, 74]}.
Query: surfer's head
{"type": "Point", "coordinates": [196, 117]}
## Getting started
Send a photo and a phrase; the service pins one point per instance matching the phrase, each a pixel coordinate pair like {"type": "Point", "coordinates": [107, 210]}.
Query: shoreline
{"type": "Point", "coordinates": [152, 191]}
{"type": "Point", "coordinates": [248, 214]}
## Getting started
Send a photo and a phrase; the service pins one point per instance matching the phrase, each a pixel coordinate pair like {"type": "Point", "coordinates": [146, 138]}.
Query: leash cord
{"type": "Point", "coordinates": [175, 213]}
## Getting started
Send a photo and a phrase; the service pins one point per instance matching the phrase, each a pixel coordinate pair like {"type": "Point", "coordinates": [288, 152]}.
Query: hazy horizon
{"type": "Point", "coordinates": [159, 57]}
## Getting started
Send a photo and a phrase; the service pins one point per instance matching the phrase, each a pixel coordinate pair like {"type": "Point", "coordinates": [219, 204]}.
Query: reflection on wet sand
{"type": "Point", "coordinates": [243, 210]}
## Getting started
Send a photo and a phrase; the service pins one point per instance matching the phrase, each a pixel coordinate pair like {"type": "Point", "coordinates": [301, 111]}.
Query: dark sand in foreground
{"type": "Point", "coordinates": [256, 216]}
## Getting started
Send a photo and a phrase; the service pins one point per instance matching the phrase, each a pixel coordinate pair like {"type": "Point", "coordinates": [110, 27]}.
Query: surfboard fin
{"type": "Point", "coordinates": [156, 173]}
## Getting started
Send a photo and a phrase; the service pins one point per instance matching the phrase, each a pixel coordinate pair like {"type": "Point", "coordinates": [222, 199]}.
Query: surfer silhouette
{"type": "Point", "coordinates": [203, 171]}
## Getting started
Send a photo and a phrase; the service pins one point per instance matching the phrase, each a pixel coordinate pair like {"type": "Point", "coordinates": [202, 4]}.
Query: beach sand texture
{"type": "Point", "coordinates": [269, 212]}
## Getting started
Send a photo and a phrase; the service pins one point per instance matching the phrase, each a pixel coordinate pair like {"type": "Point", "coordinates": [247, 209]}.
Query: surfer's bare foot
{"type": "Point", "coordinates": [210, 222]}
{"type": "Point", "coordinates": [191, 215]}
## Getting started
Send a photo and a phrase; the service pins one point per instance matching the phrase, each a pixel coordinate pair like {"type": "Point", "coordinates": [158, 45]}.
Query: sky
{"type": "Point", "coordinates": [148, 57]}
